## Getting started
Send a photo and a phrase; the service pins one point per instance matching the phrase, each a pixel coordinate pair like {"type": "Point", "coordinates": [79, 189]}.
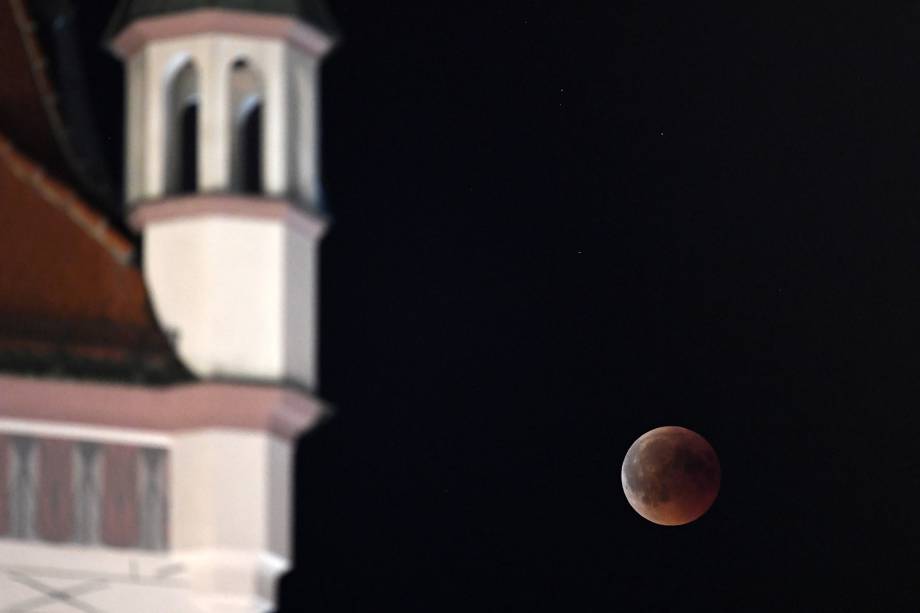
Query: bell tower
{"type": "Point", "coordinates": [222, 182]}
{"type": "Point", "coordinates": [222, 178]}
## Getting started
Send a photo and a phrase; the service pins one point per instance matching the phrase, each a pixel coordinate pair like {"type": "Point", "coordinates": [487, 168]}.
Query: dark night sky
{"type": "Point", "coordinates": [558, 227]}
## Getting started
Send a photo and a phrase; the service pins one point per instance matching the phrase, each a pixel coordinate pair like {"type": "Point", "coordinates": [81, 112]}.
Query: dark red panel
{"type": "Point", "coordinates": [55, 490]}
{"type": "Point", "coordinates": [120, 514]}
{"type": "Point", "coordinates": [4, 480]}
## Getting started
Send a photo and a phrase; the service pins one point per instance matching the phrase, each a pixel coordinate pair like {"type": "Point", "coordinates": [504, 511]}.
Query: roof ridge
{"type": "Point", "coordinates": [48, 94]}
{"type": "Point", "coordinates": [64, 199]}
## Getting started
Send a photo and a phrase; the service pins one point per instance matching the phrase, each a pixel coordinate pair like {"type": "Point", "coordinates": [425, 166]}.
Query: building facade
{"type": "Point", "coordinates": [150, 401]}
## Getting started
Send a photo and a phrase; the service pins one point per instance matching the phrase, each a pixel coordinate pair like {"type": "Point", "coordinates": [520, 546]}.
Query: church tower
{"type": "Point", "coordinates": [119, 495]}
{"type": "Point", "coordinates": [222, 177]}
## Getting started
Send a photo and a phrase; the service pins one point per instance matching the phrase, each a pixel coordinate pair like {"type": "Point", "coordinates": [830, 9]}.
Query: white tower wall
{"type": "Point", "coordinates": [238, 293]}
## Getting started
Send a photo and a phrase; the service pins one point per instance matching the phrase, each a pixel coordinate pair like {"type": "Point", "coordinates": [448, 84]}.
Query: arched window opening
{"type": "Point", "coordinates": [247, 153]}
{"type": "Point", "coordinates": [182, 132]}
{"type": "Point", "coordinates": [250, 151]}
{"type": "Point", "coordinates": [188, 156]}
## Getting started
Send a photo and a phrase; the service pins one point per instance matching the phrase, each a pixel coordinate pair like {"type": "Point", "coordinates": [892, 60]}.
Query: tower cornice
{"type": "Point", "coordinates": [308, 223]}
{"type": "Point", "coordinates": [296, 32]}
{"type": "Point", "coordinates": [284, 412]}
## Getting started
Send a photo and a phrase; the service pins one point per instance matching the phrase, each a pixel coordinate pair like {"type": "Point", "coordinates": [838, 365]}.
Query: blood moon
{"type": "Point", "coordinates": [671, 475]}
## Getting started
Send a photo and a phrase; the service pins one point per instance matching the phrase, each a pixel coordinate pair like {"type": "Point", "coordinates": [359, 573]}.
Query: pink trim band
{"type": "Point", "coordinates": [283, 412]}
{"type": "Point", "coordinates": [184, 207]}
{"type": "Point", "coordinates": [298, 33]}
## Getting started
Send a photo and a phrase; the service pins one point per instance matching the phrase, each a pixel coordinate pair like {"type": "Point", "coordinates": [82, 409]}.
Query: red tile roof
{"type": "Point", "coordinates": [71, 299]}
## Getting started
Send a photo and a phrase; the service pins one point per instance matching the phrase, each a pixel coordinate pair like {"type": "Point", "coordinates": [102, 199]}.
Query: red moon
{"type": "Point", "coordinates": [671, 475]}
